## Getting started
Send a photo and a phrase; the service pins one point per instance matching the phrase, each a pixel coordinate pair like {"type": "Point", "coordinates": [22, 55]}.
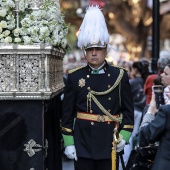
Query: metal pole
{"type": "Point", "coordinates": [155, 35]}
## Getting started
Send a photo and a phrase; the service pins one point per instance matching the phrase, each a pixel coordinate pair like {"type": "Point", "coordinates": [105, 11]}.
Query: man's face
{"type": "Point", "coordinates": [165, 76]}
{"type": "Point", "coordinates": [95, 56]}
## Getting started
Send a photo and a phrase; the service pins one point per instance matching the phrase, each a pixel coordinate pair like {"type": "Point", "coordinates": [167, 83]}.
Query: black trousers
{"type": "Point", "coordinates": [91, 164]}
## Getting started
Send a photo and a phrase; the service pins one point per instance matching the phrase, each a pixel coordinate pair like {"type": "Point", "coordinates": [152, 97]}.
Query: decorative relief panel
{"type": "Point", "coordinates": [6, 71]}
{"type": "Point", "coordinates": [30, 72]}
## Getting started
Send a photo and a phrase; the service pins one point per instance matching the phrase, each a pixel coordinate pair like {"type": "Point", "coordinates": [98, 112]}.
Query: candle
{"type": "Point", "coordinates": [17, 5]}
{"type": "Point", "coordinates": [17, 12]}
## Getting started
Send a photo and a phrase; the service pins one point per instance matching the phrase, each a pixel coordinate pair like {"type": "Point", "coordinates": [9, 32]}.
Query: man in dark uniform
{"type": "Point", "coordinates": [98, 105]}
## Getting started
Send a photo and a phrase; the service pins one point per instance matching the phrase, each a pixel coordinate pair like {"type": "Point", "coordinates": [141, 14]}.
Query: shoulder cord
{"type": "Point", "coordinates": [91, 96]}
{"type": "Point", "coordinates": [109, 90]}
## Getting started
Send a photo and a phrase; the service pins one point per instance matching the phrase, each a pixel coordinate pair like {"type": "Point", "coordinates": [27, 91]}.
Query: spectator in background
{"type": "Point", "coordinates": [137, 85]}
{"type": "Point", "coordinates": [163, 60]}
{"type": "Point", "coordinates": [145, 72]}
{"type": "Point", "coordinates": [166, 82]}
{"type": "Point", "coordinates": [139, 99]}
{"type": "Point", "coordinates": [128, 67]}
{"type": "Point", "coordinates": [155, 127]}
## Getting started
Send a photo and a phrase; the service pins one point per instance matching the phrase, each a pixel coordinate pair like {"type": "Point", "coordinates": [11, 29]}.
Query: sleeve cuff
{"type": "Point", "coordinates": [126, 135]}
{"type": "Point", "coordinates": [68, 140]}
{"type": "Point", "coordinates": [147, 119]}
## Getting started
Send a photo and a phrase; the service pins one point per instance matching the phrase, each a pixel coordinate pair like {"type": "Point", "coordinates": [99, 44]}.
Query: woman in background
{"type": "Point", "coordinates": [139, 74]}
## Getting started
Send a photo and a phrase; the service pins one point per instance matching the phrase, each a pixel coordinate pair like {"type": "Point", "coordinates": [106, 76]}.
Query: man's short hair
{"type": "Point", "coordinates": [163, 60]}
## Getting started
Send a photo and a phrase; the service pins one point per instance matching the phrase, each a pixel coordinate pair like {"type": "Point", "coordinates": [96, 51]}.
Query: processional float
{"type": "Point", "coordinates": [32, 47]}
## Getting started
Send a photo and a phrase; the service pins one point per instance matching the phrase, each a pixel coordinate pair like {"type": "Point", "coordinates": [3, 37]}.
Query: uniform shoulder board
{"type": "Point", "coordinates": [120, 68]}
{"type": "Point", "coordinates": [75, 69]}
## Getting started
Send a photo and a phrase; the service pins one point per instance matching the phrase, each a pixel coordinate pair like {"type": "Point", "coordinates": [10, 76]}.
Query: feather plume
{"type": "Point", "coordinates": [93, 30]}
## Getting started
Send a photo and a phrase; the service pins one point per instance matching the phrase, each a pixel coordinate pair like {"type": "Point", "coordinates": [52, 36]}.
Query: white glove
{"type": "Point", "coordinates": [120, 146]}
{"type": "Point", "coordinates": [70, 152]}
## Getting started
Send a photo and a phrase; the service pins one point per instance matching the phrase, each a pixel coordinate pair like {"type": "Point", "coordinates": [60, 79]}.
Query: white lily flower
{"type": "Point", "coordinates": [3, 12]}
{"type": "Point", "coordinates": [17, 40]}
{"type": "Point", "coordinates": [6, 33]}
{"type": "Point", "coordinates": [46, 25]}
{"type": "Point", "coordinates": [8, 39]}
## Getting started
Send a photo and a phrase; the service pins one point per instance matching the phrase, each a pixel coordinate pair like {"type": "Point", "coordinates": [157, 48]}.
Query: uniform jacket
{"type": "Point", "coordinates": [94, 139]}
{"type": "Point", "coordinates": [159, 130]}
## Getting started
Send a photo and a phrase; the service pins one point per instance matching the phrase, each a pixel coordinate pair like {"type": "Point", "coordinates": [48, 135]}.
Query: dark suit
{"type": "Point", "coordinates": [94, 139]}
{"type": "Point", "coordinates": [159, 130]}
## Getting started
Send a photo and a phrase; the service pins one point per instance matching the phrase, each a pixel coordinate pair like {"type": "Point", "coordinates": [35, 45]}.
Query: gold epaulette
{"type": "Point", "coordinates": [120, 68]}
{"type": "Point", "coordinates": [75, 69]}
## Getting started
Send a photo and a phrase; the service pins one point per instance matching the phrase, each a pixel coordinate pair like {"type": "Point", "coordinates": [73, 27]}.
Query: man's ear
{"type": "Point", "coordinates": [84, 52]}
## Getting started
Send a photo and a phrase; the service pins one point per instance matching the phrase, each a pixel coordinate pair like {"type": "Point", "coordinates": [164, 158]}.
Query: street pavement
{"type": "Point", "coordinates": [67, 164]}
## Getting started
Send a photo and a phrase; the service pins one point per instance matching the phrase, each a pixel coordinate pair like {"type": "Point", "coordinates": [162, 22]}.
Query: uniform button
{"type": "Point", "coordinates": [109, 86]}
{"type": "Point", "coordinates": [88, 88]}
{"type": "Point", "coordinates": [108, 75]}
{"type": "Point", "coordinates": [88, 76]}
{"type": "Point", "coordinates": [109, 98]}
{"type": "Point", "coordinates": [92, 123]}
{"type": "Point", "coordinates": [91, 111]}
{"type": "Point", "coordinates": [109, 110]}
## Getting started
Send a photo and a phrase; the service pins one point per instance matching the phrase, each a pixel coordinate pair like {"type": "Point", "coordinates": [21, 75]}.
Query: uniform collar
{"type": "Point", "coordinates": [102, 69]}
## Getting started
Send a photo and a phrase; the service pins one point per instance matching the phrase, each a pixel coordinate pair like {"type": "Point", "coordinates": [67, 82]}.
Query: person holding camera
{"type": "Point", "coordinates": [163, 60]}
{"type": "Point", "coordinates": [155, 127]}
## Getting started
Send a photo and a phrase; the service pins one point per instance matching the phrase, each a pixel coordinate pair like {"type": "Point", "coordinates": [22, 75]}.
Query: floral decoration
{"type": "Point", "coordinates": [43, 25]}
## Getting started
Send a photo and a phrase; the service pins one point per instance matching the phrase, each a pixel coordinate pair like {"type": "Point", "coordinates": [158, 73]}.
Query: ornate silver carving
{"type": "Point", "coordinates": [32, 147]}
{"type": "Point", "coordinates": [30, 71]}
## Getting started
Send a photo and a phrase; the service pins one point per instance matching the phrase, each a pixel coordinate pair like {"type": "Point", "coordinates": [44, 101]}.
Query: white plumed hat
{"type": "Point", "coordinates": [93, 31]}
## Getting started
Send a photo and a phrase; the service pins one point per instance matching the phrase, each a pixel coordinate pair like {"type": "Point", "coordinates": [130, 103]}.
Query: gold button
{"type": "Point", "coordinates": [109, 110]}
{"type": "Point", "coordinates": [91, 111]}
{"type": "Point", "coordinates": [92, 123]}
{"type": "Point", "coordinates": [109, 86]}
{"type": "Point", "coordinates": [108, 75]}
{"type": "Point", "coordinates": [88, 76]}
{"type": "Point", "coordinates": [88, 88]}
{"type": "Point", "coordinates": [109, 98]}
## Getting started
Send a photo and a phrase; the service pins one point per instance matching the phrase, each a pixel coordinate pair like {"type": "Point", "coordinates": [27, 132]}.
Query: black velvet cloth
{"type": "Point", "coordinates": [30, 119]}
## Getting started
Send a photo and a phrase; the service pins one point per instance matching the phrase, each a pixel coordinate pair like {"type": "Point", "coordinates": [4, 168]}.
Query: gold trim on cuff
{"type": "Point", "coordinates": [128, 126]}
{"type": "Point", "coordinates": [66, 129]}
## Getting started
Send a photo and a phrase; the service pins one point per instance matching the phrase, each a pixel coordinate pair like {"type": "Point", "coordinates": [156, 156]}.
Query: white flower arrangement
{"type": "Point", "coordinates": [45, 25]}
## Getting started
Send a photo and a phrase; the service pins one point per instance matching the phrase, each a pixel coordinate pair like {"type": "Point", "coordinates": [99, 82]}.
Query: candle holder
{"type": "Point", "coordinates": [17, 12]}
{"type": "Point", "coordinates": [35, 5]}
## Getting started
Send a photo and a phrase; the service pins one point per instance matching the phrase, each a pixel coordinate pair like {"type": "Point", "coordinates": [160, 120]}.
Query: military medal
{"type": "Point", "coordinates": [82, 82]}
